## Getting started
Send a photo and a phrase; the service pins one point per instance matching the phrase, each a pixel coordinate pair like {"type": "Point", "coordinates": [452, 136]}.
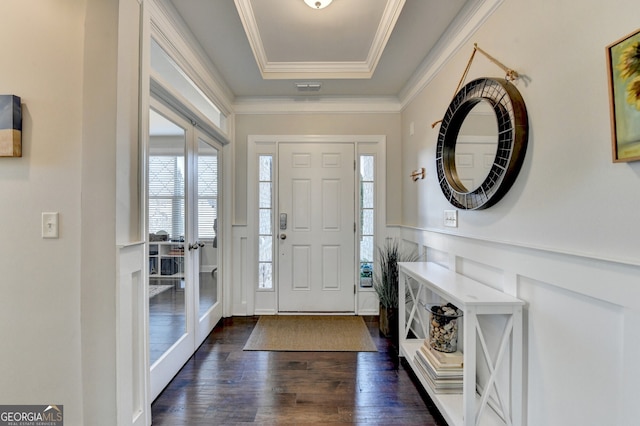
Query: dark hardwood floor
{"type": "Point", "coordinates": [224, 385]}
{"type": "Point", "coordinates": [167, 311]}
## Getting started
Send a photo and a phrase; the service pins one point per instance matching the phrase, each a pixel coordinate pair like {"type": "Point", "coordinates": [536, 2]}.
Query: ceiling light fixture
{"type": "Point", "coordinates": [318, 4]}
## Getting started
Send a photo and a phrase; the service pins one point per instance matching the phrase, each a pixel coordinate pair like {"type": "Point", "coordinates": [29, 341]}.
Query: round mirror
{"type": "Point", "coordinates": [476, 146]}
{"type": "Point", "coordinates": [500, 160]}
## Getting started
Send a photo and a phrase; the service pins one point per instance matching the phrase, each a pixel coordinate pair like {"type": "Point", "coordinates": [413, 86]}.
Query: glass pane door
{"type": "Point", "coordinates": [167, 312]}
{"type": "Point", "coordinates": [171, 337]}
{"type": "Point", "coordinates": [184, 242]}
{"type": "Point", "coordinates": [206, 232]}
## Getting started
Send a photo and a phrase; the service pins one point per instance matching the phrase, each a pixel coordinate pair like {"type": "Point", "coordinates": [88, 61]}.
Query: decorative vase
{"type": "Point", "coordinates": [389, 323]}
{"type": "Point", "coordinates": [443, 327]}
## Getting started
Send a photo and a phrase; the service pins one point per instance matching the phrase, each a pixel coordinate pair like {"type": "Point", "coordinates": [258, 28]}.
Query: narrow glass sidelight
{"type": "Point", "coordinates": [367, 218]}
{"type": "Point", "coordinates": [265, 222]}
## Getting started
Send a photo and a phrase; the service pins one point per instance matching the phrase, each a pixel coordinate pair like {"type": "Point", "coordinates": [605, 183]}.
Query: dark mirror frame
{"type": "Point", "coordinates": [513, 134]}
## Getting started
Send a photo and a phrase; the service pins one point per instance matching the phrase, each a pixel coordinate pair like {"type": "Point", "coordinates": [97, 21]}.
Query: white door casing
{"type": "Point", "coordinates": [316, 251]}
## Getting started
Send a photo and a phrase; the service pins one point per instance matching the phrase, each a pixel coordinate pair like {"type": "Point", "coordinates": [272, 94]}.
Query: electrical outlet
{"type": "Point", "coordinates": [451, 218]}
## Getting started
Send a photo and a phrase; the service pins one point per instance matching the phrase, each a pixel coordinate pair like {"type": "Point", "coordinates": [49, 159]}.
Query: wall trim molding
{"type": "Point", "coordinates": [307, 105]}
{"type": "Point", "coordinates": [611, 282]}
{"type": "Point", "coordinates": [515, 244]}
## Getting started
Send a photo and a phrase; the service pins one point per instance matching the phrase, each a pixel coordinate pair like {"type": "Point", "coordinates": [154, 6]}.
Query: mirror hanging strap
{"type": "Point", "coordinates": [511, 74]}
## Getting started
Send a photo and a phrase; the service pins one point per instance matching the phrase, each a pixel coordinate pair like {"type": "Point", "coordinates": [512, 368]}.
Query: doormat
{"type": "Point", "coordinates": [310, 334]}
{"type": "Point", "coordinates": [155, 290]}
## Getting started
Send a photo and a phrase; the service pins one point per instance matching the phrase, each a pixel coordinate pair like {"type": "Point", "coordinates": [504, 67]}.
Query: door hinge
{"type": "Point", "coordinates": [354, 289]}
{"type": "Point", "coordinates": [355, 165]}
{"type": "Point", "coordinates": [354, 227]}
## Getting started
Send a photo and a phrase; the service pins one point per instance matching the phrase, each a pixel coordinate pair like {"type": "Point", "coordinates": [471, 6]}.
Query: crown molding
{"type": "Point", "coordinates": [175, 38]}
{"type": "Point", "coordinates": [471, 18]}
{"type": "Point", "coordinates": [271, 70]}
{"type": "Point", "coordinates": [387, 24]}
{"type": "Point", "coordinates": [307, 105]}
{"type": "Point", "coordinates": [473, 15]}
{"type": "Point", "coordinates": [457, 34]}
{"type": "Point", "coordinates": [316, 70]}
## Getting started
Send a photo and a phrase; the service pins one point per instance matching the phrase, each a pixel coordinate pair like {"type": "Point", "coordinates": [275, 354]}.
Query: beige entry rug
{"type": "Point", "coordinates": [310, 333]}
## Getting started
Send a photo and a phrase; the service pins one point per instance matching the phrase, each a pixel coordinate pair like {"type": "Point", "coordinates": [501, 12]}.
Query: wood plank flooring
{"type": "Point", "coordinates": [224, 385]}
{"type": "Point", "coordinates": [167, 311]}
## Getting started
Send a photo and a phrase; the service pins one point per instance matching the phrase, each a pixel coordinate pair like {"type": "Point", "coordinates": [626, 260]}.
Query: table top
{"type": "Point", "coordinates": [456, 288]}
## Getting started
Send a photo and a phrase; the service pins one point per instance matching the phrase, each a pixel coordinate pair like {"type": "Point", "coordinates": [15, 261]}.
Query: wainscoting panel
{"type": "Point", "coordinates": [131, 356]}
{"type": "Point", "coordinates": [242, 298]}
{"type": "Point", "coordinates": [581, 323]}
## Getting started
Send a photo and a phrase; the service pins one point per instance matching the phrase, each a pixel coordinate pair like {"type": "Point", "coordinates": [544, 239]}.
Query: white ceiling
{"type": "Point", "coordinates": [354, 48]}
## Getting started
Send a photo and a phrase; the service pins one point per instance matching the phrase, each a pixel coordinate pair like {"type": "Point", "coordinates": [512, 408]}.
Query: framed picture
{"type": "Point", "coordinates": [623, 62]}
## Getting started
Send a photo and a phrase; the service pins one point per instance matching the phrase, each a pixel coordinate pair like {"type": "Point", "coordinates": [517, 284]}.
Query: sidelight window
{"type": "Point", "coordinates": [265, 222]}
{"type": "Point", "coordinates": [367, 218]}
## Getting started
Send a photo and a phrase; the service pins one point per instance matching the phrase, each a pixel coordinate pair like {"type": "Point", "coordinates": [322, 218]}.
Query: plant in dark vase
{"type": "Point", "coordinates": [386, 282]}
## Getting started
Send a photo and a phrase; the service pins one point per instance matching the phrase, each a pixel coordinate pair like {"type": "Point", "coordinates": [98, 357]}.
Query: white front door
{"type": "Point", "coordinates": [316, 221]}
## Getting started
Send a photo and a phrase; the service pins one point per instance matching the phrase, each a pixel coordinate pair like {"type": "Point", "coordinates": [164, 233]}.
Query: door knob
{"type": "Point", "coordinates": [283, 236]}
{"type": "Point", "coordinates": [194, 246]}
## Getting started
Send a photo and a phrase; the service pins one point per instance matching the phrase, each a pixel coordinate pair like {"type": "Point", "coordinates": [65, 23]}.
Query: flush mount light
{"type": "Point", "coordinates": [318, 4]}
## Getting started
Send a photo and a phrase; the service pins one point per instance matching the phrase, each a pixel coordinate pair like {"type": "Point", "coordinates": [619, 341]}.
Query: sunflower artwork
{"type": "Point", "coordinates": [624, 89]}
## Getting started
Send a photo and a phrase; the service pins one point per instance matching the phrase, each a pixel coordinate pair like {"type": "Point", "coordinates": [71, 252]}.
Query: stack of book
{"type": "Point", "coordinates": [443, 371]}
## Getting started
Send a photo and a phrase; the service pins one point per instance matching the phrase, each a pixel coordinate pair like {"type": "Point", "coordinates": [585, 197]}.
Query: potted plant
{"type": "Point", "coordinates": [385, 283]}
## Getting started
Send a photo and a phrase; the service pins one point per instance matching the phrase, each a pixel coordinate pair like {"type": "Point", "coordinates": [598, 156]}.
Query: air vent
{"type": "Point", "coordinates": [308, 87]}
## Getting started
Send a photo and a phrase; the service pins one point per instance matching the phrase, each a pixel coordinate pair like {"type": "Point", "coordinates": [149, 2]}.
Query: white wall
{"type": "Point", "coordinates": [565, 238]}
{"type": "Point", "coordinates": [569, 194]}
{"type": "Point", "coordinates": [109, 208]}
{"type": "Point", "coordinates": [41, 44]}
{"type": "Point", "coordinates": [58, 305]}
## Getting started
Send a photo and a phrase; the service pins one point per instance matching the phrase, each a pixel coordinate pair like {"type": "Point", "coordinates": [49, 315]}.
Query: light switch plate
{"type": "Point", "coordinates": [451, 218]}
{"type": "Point", "coordinates": [49, 225]}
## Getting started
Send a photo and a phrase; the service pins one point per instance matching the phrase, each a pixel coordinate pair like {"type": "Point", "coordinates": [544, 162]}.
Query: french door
{"type": "Point", "coordinates": [317, 227]}
{"type": "Point", "coordinates": [182, 193]}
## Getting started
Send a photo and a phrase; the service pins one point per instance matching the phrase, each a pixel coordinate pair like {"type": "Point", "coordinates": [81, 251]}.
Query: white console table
{"type": "Point", "coordinates": [471, 408]}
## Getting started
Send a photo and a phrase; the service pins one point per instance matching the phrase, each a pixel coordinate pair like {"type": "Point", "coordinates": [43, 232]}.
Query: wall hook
{"type": "Point", "coordinates": [418, 174]}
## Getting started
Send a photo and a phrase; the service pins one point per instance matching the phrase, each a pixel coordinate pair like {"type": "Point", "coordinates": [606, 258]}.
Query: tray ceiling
{"type": "Point", "coordinates": [353, 48]}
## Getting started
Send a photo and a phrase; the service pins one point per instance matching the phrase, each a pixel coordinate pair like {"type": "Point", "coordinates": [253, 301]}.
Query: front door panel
{"type": "Point", "coordinates": [316, 250]}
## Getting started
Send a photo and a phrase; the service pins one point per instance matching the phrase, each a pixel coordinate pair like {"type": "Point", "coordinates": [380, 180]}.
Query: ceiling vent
{"type": "Point", "coordinates": [308, 87]}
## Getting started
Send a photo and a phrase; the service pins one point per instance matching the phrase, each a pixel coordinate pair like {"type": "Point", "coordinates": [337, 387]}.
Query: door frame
{"type": "Point", "coordinates": [156, 25]}
{"type": "Point", "coordinates": [197, 327]}
{"type": "Point", "coordinates": [265, 301]}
